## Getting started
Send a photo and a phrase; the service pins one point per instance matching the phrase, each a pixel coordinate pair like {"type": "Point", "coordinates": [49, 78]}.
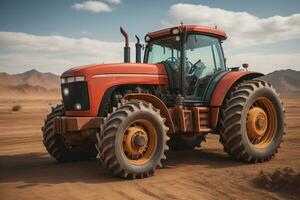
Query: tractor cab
{"type": "Point", "coordinates": [192, 56]}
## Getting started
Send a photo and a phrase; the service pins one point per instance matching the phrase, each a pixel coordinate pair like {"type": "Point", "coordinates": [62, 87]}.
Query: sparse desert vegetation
{"type": "Point", "coordinates": [284, 180]}
{"type": "Point", "coordinates": [16, 108]}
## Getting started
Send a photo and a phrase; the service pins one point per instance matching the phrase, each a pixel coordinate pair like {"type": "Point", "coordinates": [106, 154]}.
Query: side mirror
{"type": "Point", "coordinates": [245, 66]}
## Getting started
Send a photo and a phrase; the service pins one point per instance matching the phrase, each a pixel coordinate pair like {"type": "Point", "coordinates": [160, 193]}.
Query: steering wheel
{"type": "Point", "coordinates": [172, 59]}
{"type": "Point", "coordinates": [194, 67]}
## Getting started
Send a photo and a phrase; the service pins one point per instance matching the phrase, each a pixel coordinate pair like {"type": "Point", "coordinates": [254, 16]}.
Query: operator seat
{"type": "Point", "coordinates": [170, 67]}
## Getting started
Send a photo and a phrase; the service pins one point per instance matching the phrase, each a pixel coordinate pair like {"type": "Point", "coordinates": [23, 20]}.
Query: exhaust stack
{"type": "Point", "coordinates": [138, 50]}
{"type": "Point", "coordinates": [126, 48]}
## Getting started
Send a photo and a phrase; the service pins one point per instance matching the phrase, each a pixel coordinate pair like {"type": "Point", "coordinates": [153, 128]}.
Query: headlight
{"type": "Point", "coordinates": [79, 78]}
{"type": "Point", "coordinates": [78, 106]}
{"type": "Point", "coordinates": [66, 91]}
{"type": "Point", "coordinates": [147, 38]}
{"type": "Point", "coordinates": [72, 79]}
{"type": "Point", "coordinates": [63, 80]}
{"type": "Point", "coordinates": [175, 31]}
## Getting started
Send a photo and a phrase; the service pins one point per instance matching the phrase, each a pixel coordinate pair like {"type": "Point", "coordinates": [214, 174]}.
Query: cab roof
{"type": "Point", "coordinates": [190, 28]}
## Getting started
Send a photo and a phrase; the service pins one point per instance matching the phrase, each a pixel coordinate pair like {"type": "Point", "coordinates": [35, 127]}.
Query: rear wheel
{"type": "Point", "coordinates": [133, 141]}
{"type": "Point", "coordinates": [56, 145]}
{"type": "Point", "coordinates": [185, 141]}
{"type": "Point", "coordinates": [252, 122]}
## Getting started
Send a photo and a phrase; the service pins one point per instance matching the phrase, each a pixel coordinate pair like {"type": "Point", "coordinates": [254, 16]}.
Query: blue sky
{"type": "Point", "coordinates": [55, 35]}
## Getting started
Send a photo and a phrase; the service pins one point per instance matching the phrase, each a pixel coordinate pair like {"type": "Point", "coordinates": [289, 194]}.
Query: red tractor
{"type": "Point", "coordinates": [132, 113]}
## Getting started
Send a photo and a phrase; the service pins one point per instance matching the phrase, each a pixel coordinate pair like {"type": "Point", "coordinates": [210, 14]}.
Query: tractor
{"type": "Point", "coordinates": [132, 113]}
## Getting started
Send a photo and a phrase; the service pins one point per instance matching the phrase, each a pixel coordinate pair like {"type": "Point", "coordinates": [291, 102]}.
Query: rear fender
{"type": "Point", "coordinates": [157, 103]}
{"type": "Point", "coordinates": [223, 87]}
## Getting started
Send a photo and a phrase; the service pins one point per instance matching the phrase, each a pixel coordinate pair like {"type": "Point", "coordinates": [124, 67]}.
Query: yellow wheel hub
{"type": "Point", "coordinates": [135, 141]}
{"type": "Point", "coordinates": [140, 141]}
{"type": "Point", "coordinates": [261, 122]}
{"type": "Point", "coordinates": [257, 122]}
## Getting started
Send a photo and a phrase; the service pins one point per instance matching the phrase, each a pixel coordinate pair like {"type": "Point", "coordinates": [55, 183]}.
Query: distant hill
{"type": "Point", "coordinates": [31, 78]}
{"type": "Point", "coordinates": [29, 84]}
{"type": "Point", "coordinates": [35, 83]}
{"type": "Point", "coordinates": [27, 91]}
{"type": "Point", "coordinates": [286, 82]}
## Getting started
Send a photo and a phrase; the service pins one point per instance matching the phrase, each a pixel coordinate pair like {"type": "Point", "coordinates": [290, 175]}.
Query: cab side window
{"type": "Point", "coordinates": [203, 59]}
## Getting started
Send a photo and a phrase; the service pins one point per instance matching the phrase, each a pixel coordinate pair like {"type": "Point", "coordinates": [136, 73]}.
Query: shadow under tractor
{"type": "Point", "coordinates": [131, 113]}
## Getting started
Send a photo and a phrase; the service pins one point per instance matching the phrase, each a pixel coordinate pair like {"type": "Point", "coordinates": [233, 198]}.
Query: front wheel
{"type": "Point", "coordinates": [133, 140]}
{"type": "Point", "coordinates": [56, 145]}
{"type": "Point", "coordinates": [252, 122]}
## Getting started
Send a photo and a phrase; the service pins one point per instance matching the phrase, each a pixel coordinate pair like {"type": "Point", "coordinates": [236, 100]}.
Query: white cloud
{"type": "Point", "coordinates": [85, 32]}
{"type": "Point", "coordinates": [21, 51]}
{"type": "Point", "coordinates": [266, 62]}
{"type": "Point", "coordinates": [93, 6]}
{"type": "Point", "coordinates": [113, 1]}
{"type": "Point", "coordinates": [243, 29]}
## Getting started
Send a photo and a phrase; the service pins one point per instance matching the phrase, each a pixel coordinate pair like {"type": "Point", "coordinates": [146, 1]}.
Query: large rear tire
{"type": "Point", "coordinates": [133, 140]}
{"type": "Point", "coordinates": [55, 145]}
{"type": "Point", "coordinates": [252, 122]}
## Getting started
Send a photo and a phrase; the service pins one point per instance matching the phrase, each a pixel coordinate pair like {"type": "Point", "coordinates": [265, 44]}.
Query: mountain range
{"type": "Point", "coordinates": [30, 78]}
{"type": "Point", "coordinates": [286, 82]}
{"type": "Point", "coordinates": [33, 82]}
{"type": "Point", "coordinates": [29, 84]}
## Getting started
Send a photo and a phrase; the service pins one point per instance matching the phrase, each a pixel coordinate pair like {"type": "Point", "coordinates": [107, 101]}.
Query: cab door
{"type": "Point", "coordinates": [203, 60]}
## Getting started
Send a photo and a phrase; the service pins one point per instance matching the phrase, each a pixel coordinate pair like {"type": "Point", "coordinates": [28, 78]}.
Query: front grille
{"type": "Point", "coordinates": [78, 94]}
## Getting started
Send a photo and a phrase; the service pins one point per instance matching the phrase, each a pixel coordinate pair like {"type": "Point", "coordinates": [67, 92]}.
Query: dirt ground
{"type": "Point", "coordinates": [27, 171]}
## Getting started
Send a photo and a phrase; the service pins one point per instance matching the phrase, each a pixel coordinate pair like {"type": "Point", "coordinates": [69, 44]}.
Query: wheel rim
{"type": "Point", "coordinates": [139, 141]}
{"type": "Point", "coordinates": [261, 122]}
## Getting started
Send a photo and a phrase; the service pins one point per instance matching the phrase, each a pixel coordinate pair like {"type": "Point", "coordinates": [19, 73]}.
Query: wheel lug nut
{"type": "Point", "coordinates": [139, 141]}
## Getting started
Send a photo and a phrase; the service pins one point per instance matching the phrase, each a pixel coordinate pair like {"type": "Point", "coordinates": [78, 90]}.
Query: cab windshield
{"type": "Point", "coordinates": [164, 50]}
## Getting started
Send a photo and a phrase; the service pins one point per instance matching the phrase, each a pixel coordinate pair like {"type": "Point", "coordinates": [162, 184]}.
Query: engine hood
{"type": "Point", "coordinates": [115, 68]}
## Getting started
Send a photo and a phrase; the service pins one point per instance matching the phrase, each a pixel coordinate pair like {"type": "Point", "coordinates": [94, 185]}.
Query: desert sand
{"type": "Point", "coordinates": [28, 172]}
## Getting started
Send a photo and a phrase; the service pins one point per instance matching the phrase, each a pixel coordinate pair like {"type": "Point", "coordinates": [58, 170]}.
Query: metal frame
{"type": "Point", "coordinates": [63, 125]}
